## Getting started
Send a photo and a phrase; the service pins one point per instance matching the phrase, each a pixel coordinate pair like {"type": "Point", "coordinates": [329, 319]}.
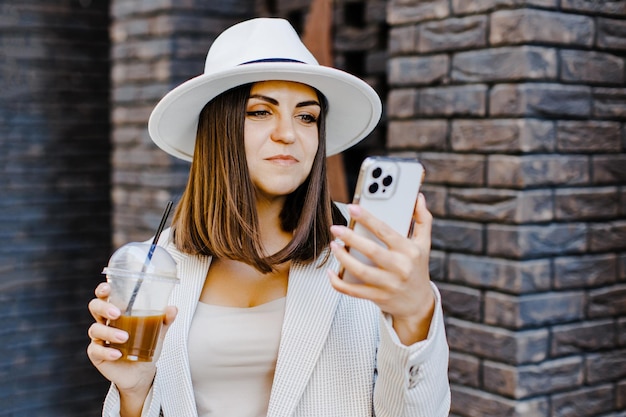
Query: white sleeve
{"type": "Point", "coordinates": [111, 406]}
{"type": "Point", "coordinates": [412, 380]}
{"type": "Point", "coordinates": [146, 410]}
{"type": "Point", "coordinates": [151, 407]}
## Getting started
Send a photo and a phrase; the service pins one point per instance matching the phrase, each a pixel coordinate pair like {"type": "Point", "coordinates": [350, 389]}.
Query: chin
{"type": "Point", "coordinates": [275, 193]}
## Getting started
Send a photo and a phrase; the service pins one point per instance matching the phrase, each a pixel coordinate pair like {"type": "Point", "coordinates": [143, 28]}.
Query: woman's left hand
{"type": "Point", "coordinates": [399, 280]}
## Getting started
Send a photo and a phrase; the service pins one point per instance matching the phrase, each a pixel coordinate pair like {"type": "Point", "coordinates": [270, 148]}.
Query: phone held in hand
{"type": "Point", "coordinates": [387, 187]}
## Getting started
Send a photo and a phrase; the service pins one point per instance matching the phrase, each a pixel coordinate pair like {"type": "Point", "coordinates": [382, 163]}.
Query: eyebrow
{"type": "Point", "coordinates": [275, 102]}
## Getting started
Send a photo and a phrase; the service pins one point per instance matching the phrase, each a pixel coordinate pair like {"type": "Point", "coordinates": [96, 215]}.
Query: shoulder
{"type": "Point", "coordinates": [166, 240]}
{"type": "Point", "coordinates": [343, 209]}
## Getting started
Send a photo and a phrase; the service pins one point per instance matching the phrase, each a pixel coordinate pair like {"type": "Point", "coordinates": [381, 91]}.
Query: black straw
{"type": "Point", "coordinates": [153, 246]}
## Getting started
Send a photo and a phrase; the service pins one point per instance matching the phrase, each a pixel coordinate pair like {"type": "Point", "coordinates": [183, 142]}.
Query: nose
{"type": "Point", "coordinates": [284, 130]}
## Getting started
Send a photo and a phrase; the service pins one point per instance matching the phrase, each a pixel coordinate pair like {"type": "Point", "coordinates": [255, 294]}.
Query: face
{"type": "Point", "coordinates": [280, 136]}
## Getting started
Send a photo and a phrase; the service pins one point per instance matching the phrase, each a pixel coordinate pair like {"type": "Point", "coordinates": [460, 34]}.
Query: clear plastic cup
{"type": "Point", "coordinates": [141, 290]}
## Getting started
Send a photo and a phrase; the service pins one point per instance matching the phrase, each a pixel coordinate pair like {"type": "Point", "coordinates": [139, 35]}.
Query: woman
{"type": "Point", "coordinates": [261, 324]}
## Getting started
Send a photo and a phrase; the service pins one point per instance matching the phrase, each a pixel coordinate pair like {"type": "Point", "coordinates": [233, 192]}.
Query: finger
{"type": "Point", "coordinates": [170, 315]}
{"type": "Point", "coordinates": [379, 228]}
{"type": "Point", "coordinates": [390, 260]}
{"type": "Point", "coordinates": [347, 259]}
{"type": "Point", "coordinates": [364, 291]}
{"type": "Point", "coordinates": [101, 333]}
{"type": "Point", "coordinates": [367, 274]}
{"type": "Point", "coordinates": [98, 353]}
{"type": "Point", "coordinates": [102, 310]}
{"type": "Point", "coordinates": [423, 218]}
{"type": "Point", "coordinates": [103, 290]}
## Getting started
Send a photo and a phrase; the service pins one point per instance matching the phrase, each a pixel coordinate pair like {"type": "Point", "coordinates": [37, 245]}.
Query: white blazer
{"type": "Point", "coordinates": [338, 355]}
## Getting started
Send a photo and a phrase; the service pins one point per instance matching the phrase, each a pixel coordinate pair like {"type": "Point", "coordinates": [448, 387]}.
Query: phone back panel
{"type": "Point", "coordinates": [388, 188]}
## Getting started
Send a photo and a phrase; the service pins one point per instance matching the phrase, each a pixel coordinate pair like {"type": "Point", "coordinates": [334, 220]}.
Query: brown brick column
{"type": "Point", "coordinates": [518, 111]}
{"type": "Point", "coordinates": [155, 46]}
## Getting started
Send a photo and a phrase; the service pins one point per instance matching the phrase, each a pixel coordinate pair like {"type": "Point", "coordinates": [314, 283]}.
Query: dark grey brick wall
{"type": "Point", "coordinates": [54, 204]}
{"type": "Point", "coordinates": [518, 111]}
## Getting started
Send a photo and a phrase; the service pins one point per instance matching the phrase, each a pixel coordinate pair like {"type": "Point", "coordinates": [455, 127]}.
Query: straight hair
{"type": "Point", "coordinates": [217, 215]}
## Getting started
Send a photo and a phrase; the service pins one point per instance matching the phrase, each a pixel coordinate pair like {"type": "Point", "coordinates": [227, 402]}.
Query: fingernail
{"type": "Point", "coordinates": [115, 354]}
{"type": "Point", "coordinates": [121, 336]}
{"type": "Point", "coordinates": [113, 312]}
{"type": "Point", "coordinates": [103, 288]}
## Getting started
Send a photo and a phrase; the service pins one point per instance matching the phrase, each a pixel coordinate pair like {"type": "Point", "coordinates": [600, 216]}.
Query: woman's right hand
{"type": "Point", "coordinates": [133, 379]}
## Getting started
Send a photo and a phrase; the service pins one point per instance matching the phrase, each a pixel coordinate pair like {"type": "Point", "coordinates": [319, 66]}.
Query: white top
{"type": "Point", "coordinates": [232, 356]}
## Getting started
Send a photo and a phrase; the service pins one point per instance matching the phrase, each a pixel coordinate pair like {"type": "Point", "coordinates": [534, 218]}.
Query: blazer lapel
{"type": "Point", "coordinates": [193, 270]}
{"type": "Point", "coordinates": [309, 313]}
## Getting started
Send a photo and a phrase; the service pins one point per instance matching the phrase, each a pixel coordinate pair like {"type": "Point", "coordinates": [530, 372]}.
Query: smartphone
{"type": "Point", "coordinates": [388, 188]}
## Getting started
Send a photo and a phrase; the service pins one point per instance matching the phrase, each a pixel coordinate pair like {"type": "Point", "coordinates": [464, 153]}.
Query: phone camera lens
{"type": "Point", "coordinates": [387, 181]}
{"type": "Point", "coordinates": [373, 188]}
{"type": "Point", "coordinates": [377, 172]}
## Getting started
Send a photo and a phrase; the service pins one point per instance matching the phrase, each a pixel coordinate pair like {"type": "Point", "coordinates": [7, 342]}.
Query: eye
{"type": "Point", "coordinates": [307, 118]}
{"type": "Point", "coordinates": [259, 114]}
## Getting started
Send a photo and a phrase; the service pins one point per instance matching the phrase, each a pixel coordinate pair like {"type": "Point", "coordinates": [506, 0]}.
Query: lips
{"type": "Point", "coordinates": [282, 159]}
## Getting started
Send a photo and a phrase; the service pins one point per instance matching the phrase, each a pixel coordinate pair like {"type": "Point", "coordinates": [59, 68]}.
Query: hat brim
{"type": "Point", "coordinates": [354, 107]}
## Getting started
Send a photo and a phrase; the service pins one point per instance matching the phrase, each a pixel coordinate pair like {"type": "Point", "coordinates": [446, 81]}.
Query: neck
{"type": "Point", "coordinates": [272, 234]}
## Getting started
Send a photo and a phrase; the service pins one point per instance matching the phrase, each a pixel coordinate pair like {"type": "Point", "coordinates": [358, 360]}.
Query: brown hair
{"type": "Point", "coordinates": [216, 215]}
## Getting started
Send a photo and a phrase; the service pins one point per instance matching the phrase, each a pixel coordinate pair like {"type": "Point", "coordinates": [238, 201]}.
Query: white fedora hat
{"type": "Point", "coordinates": [259, 50]}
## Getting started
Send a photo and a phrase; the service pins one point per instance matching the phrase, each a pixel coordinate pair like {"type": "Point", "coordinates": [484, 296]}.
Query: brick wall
{"type": "Point", "coordinates": [156, 45]}
{"type": "Point", "coordinates": [54, 205]}
{"type": "Point", "coordinates": [518, 111]}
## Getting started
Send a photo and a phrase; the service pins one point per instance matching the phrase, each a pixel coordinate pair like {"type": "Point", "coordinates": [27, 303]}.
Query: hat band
{"type": "Point", "coordinates": [272, 60]}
